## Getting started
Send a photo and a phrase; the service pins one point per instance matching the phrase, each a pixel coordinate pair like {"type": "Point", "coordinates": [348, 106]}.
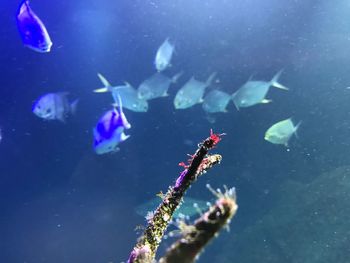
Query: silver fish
{"type": "Point", "coordinates": [164, 55]}
{"type": "Point", "coordinates": [254, 92]}
{"type": "Point", "coordinates": [156, 86]}
{"type": "Point", "coordinates": [108, 87]}
{"type": "Point", "coordinates": [32, 30]}
{"type": "Point", "coordinates": [109, 130]}
{"type": "Point", "coordinates": [131, 101]}
{"type": "Point", "coordinates": [192, 92]}
{"type": "Point", "coordinates": [54, 106]}
{"type": "Point", "coordinates": [127, 93]}
{"type": "Point", "coordinates": [281, 132]}
{"type": "Point", "coordinates": [216, 101]}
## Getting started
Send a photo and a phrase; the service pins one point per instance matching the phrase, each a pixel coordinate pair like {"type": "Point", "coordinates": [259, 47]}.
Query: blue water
{"type": "Point", "coordinates": [60, 202]}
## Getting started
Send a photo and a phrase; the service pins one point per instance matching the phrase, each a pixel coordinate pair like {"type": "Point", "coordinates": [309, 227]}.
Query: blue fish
{"type": "Point", "coordinates": [109, 130]}
{"type": "Point", "coordinates": [32, 30]}
{"type": "Point", "coordinates": [54, 106]}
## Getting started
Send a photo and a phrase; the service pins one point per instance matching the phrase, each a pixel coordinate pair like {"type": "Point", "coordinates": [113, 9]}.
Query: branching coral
{"type": "Point", "coordinates": [196, 236]}
{"type": "Point", "coordinates": [199, 163]}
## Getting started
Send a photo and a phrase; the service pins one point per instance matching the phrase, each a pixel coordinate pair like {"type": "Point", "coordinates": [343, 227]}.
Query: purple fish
{"type": "Point", "coordinates": [109, 131]}
{"type": "Point", "coordinates": [32, 30]}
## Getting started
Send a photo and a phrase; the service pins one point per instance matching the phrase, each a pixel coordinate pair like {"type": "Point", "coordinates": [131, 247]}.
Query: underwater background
{"type": "Point", "coordinates": [61, 202]}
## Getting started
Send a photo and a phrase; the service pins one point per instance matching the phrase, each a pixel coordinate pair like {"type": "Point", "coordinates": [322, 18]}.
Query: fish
{"type": "Point", "coordinates": [109, 130]}
{"type": "Point", "coordinates": [254, 92]}
{"type": "Point", "coordinates": [107, 86]}
{"type": "Point", "coordinates": [54, 106]}
{"type": "Point", "coordinates": [216, 101]}
{"type": "Point", "coordinates": [164, 55]}
{"type": "Point", "coordinates": [127, 93]}
{"type": "Point", "coordinates": [187, 208]}
{"type": "Point", "coordinates": [281, 132]}
{"type": "Point", "coordinates": [32, 30]}
{"type": "Point", "coordinates": [131, 100]}
{"type": "Point", "coordinates": [0, 134]}
{"type": "Point", "coordinates": [192, 92]}
{"type": "Point", "coordinates": [156, 86]}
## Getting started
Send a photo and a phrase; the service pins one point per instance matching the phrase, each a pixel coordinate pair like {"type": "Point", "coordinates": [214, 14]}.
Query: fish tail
{"type": "Point", "coordinates": [274, 82]}
{"type": "Point", "coordinates": [128, 84]}
{"type": "Point", "coordinates": [296, 129]}
{"type": "Point", "coordinates": [104, 81]}
{"type": "Point", "coordinates": [176, 77]}
{"type": "Point", "coordinates": [211, 78]}
{"type": "Point", "coordinates": [124, 137]}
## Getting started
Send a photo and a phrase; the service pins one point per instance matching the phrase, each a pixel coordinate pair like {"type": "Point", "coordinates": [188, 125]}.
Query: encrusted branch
{"type": "Point", "coordinates": [147, 245]}
{"type": "Point", "coordinates": [195, 237]}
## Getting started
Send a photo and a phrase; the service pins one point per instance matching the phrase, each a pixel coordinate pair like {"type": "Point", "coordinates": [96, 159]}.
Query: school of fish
{"type": "Point", "coordinates": [110, 129]}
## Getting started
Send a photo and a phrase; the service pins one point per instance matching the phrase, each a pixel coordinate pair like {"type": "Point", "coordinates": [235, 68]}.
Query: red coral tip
{"type": "Point", "coordinates": [215, 138]}
{"type": "Point", "coordinates": [182, 164]}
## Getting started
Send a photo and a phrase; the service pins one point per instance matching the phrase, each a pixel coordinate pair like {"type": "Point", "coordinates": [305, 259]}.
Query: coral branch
{"type": "Point", "coordinates": [196, 236]}
{"type": "Point", "coordinates": [147, 245]}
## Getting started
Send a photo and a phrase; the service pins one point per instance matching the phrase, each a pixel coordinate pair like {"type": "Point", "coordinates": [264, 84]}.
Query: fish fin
{"type": "Point", "coordinates": [62, 118]}
{"type": "Point", "coordinates": [124, 137]}
{"type": "Point", "coordinates": [274, 82]}
{"type": "Point", "coordinates": [210, 79]}
{"type": "Point", "coordinates": [264, 101]}
{"type": "Point", "coordinates": [120, 104]}
{"type": "Point", "coordinates": [22, 6]}
{"type": "Point", "coordinates": [104, 81]}
{"type": "Point", "coordinates": [296, 129]}
{"type": "Point", "coordinates": [251, 77]}
{"type": "Point", "coordinates": [115, 105]}
{"type": "Point", "coordinates": [73, 106]}
{"type": "Point", "coordinates": [128, 84]}
{"type": "Point", "coordinates": [171, 43]}
{"type": "Point", "coordinates": [126, 124]}
{"type": "Point", "coordinates": [176, 77]}
{"type": "Point", "coordinates": [101, 90]}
